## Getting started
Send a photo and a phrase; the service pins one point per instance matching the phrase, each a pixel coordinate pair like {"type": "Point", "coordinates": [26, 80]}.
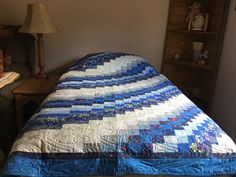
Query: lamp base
{"type": "Point", "coordinates": [41, 64]}
{"type": "Point", "coordinates": [41, 76]}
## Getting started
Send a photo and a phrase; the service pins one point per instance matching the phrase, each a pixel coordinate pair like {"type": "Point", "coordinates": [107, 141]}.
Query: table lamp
{"type": "Point", "coordinates": [38, 21]}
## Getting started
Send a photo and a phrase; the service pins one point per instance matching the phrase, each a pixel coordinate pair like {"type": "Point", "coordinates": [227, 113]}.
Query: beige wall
{"type": "Point", "coordinates": [224, 104]}
{"type": "Point", "coordinates": [135, 26]}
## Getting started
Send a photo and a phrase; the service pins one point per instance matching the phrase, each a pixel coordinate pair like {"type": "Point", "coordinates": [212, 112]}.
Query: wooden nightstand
{"type": "Point", "coordinates": [29, 95]}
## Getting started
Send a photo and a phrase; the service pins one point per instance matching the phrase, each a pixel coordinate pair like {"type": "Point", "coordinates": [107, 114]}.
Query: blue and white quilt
{"type": "Point", "coordinates": [114, 114]}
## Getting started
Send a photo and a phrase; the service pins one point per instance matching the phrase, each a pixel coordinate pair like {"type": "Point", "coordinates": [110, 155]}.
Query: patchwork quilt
{"type": "Point", "coordinates": [114, 114]}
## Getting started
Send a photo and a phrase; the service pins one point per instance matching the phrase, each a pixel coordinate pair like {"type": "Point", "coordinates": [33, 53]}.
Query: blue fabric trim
{"type": "Point", "coordinates": [18, 165]}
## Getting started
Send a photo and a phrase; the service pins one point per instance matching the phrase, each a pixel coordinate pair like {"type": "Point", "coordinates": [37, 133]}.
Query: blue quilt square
{"type": "Point", "coordinates": [191, 139]}
{"type": "Point", "coordinates": [158, 139]}
{"type": "Point", "coordinates": [145, 138]}
{"type": "Point", "coordinates": [168, 132]}
{"type": "Point", "coordinates": [134, 139]}
{"type": "Point", "coordinates": [184, 148]}
{"type": "Point", "coordinates": [157, 132]}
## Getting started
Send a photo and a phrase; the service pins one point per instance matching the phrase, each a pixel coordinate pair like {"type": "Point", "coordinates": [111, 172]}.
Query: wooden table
{"type": "Point", "coordinates": [29, 95]}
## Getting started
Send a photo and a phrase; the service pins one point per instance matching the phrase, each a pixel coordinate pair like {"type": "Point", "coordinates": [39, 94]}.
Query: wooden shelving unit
{"type": "Point", "coordinates": [195, 80]}
{"type": "Point", "coordinates": [192, 64]}
{"type": "Point", "coordinates": [6, 31]}
{"type": "Point", "coordinates": [197, 32]}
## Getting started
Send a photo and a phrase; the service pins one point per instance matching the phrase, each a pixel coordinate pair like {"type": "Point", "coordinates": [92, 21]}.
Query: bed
{"type": "Point", "coordinates": [113, 114]}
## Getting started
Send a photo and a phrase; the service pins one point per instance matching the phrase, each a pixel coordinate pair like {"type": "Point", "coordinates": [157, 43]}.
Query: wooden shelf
{"type": "Point", "coordinates": [198, 97]}
{"type": "Point", "coordinates": [196, 80]}
{"type": "Point", "coordinates": [201, 102]}
{"type": "Point", "coordinates": [196, 32]}
{"type": "Point", "coordinates": [188, 92]}
{"type": "Point", "coordinates": [190, 64]}
{"type": "Point", "coordinates": [6, 33]}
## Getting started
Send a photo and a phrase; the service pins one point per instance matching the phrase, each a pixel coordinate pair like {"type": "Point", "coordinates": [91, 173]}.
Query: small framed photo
{"type": "Point", "coordinates": [198, 22]}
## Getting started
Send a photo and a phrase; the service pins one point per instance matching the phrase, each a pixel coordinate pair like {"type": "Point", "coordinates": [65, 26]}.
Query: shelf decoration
{"type": "Point", "coordinates": [197, 50]}
{"type": "Point", "coordinates": [199, 22]}
{"type": "Point", "coordinates": [194, 8]}
{"type": "Point", "coordinates": [176, 56]}
{"type": "Point", "coordinates": [204, 57]}
{"type": "Point", "coordinates": [199, 55]}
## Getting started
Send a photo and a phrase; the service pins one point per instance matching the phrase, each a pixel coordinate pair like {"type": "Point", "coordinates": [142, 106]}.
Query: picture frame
{"type": "Point", "coordinates": [198, 22]}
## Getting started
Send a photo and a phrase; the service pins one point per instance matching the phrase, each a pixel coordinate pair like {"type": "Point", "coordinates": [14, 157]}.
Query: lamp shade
{"type": "Point", "coordinates": [37, 20]}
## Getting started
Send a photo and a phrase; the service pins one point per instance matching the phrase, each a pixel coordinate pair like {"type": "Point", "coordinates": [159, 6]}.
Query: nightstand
{"type": "Point", "coordinates": [29, 95]}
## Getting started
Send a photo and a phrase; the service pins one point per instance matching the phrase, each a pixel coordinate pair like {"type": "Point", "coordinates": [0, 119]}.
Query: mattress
{"type": "Point", "coordinates": [114, 114]}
